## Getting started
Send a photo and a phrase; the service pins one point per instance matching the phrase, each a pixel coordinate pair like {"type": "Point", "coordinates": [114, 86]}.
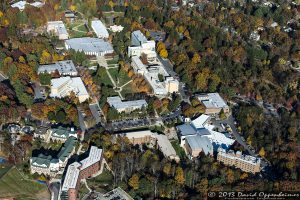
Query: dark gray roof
{"type": "Point", "coordinates": [200, 143]}
{"type": "Point", "coordinates": [186, 129]}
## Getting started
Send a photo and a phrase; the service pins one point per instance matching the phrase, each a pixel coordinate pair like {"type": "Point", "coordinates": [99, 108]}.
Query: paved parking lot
{"type": "Point", "coordinates": [129, 123]}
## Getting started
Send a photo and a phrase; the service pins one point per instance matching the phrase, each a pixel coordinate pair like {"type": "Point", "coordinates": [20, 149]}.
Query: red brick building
{"type": "Point", "coordinates": [81, 170]}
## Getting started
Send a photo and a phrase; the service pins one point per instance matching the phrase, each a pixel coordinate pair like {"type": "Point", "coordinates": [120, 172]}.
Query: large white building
{"type": "Point", "coordinates": [140, 45]}
{"type": "Point", "coordinates": [194, 137]}
{"type": "Point", "coordinates": [116, 28]}
{"type": "Point", "coordinates": [213, 103]}
{"type": "Point", "coordinates": [22, 4]}
{"type": "Point", "coordinates": [99, 28]}
{"type": "Point", "coordinates": [64, 68]}
{"type": "Point", "coordinates": [246, 163]}
{"type": "Point", "coordinates": [151, 73]}
{"type": "Point", "coordinates": [58, 28]}
{"type": "Point", "coordinates": [90, 46]}
{"type": "Point", "coordinates": [63, 86]}
{"type": "Point", "coordinates": [126, 106]}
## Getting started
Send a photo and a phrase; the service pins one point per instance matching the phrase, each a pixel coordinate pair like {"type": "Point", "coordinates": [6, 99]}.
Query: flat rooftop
{"type": "Point", "coordinates": [99, 28]}
{"type": "Point", "coordinates": [88, 44]}
{"type": "Point", "coordinates": [74, 169]}
{"type": "Point", "coordinates": [63, 67]}
{"type": "Point", "coordinates": [212, 100]}
{"type": "Point", "coordinates": [76, 84]}
{"type": "Point", "coordinates": [200, 143]}
{"type": "Point", "coordinates": [95, 155]}
{"type": "Point", "coordinates": [117, 103]}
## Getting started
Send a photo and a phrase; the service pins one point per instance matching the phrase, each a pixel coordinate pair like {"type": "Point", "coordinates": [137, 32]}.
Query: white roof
{"type": "Point", "coordinates": [73, 84]}
{"type": "Point", "coordinates": [99, 28]}
{"type": "Point", "coordinates": [219, 139]}
{"type": "Point", "coordinates": [74, 169]}
{"type": "Point", "coordinates": [59, 26]}
{"type": "Point", "coordinates": [165, 145]}
{"type": "Point", "coordinates": [88, 44]}
{"type": "Point", "coordinates": [117, 103]}
{"type": "Point", "coordinates": [138, 134]}
{"type": "Point", "coordinates": [198, 142]}
{"type": "Point", "coordinates": [63, 67]}
{"type": "Point", "coordinates": [71, 177]}
{"type": "Point", "coordinates": [20, 5]}
{"type": "Point", "coordinates": [94, 156]}
{"type": "Point", "coordinates": [138, 38]}
{"type": "Point", "coordinates": [200, 121]}
{"type": "Point", "coordinates": [214, 100]}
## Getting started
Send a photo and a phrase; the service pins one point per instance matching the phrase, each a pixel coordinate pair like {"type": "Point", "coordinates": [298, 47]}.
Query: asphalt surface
{"type": "Point", "coordinates": [237, 136]}
{"type": "Point", "coordinates": [96, 112]}
{"type": "Point", "coordinates": [54, 188]}
{"type": "Point", "coordinates": [2, 77]}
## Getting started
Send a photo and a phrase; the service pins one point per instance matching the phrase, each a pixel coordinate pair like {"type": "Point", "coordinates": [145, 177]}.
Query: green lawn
{"type": "Point", "coordinates": [179, 150]}
{"type": "Point", "coordinates": [82, 190]}
{"type": "Point", "coordinates": [3, 170]}
{"type": "Point", "coordinates": [127, 89]}
{"type": "Point", "coordinates": [102, 77]}
{"type": "Point", "coordinates": [112, 61]}
{"type": "Point", "coordinates": [121, 76]}
{"type": "Point", "coordinates": [12, 184]}
{"type": "Point", "coordinates": [101, 183]}
{"type": "Point", "coordinates": [77, 29]}
{"type": "Point", "coordinates": [115, 14]}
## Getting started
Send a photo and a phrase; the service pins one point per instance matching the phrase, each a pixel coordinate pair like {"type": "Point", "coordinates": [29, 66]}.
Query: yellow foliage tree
{"type": "Point", "coordinates": [73, 7]}
{"type": "Point", "coordinates": [179, 176]}
{"type": "Point", "coordinates": [262, 152]}
{"type": "Point", "coordinates": [111, 4]}
{"type": "Point", "coordinates": [196, 58]}
{"type": "Point", "coordinates": [163, 53]}
{"type": "Point", "coordinates": [134, 182]}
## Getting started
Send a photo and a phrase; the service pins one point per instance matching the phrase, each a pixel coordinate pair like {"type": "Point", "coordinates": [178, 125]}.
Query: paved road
{"type": "Point", "coordinates": [96, 112]}
{"type": "Point", "coordinates": [2, 77]}
{"type": "Point", "coordinates": [54, 188]}
{"type": "Point", "coordinates": [230, 122]}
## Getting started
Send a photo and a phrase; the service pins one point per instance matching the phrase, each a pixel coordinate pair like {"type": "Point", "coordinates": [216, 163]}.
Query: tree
{"type": "Point", "coordinates": [167, 169]}
{"type": "Point", "coordinates": [134, 182]}
{"type": "Point", "coordinates": [202, 187]}
{"type": "Point", "coordinates": [179, 176]}
{"type": "Point", "coordinates": [61, 116]}
{"type": "Point", "coordinates": [222, 114]}
{"type": "Point", "coordinates": [161, 77]}
{"type": "Point", "coordinates": [262, 152]}
{"type": "Point", "coordinates": [45, 78]}
{"type": "Point", "coordinates": [230, 176]}
{"type": "Point", "coordinates": [196, 58]}
{"type": "Point", "coordinates": [163, 53]}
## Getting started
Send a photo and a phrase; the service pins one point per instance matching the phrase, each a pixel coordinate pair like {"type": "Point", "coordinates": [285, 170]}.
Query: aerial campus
{"type": "Point", "coordinates": [132, 99]}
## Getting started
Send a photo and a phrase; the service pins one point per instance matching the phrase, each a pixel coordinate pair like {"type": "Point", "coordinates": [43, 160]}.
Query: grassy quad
{"type": "Point", "coordinates": [12, 184]}
{"type": "Point", "coordinates": [101, 183]}
{"type": "Point", "coordinates": [121, 76]}
{"type": "Point", "coordinates": [77, 29]}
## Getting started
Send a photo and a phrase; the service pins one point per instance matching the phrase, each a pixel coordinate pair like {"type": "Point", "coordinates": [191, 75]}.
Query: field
{"type": "Point", "coordinates": [102, 182]}
{"type": "Point", "coordinates": [3, 170]}
{"type": "Point", "coordinates": [120, 78]}
{"type": "Point", "coordinates": [12, 184]}
{"type": "Point", "coordinates": [77, 29]}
